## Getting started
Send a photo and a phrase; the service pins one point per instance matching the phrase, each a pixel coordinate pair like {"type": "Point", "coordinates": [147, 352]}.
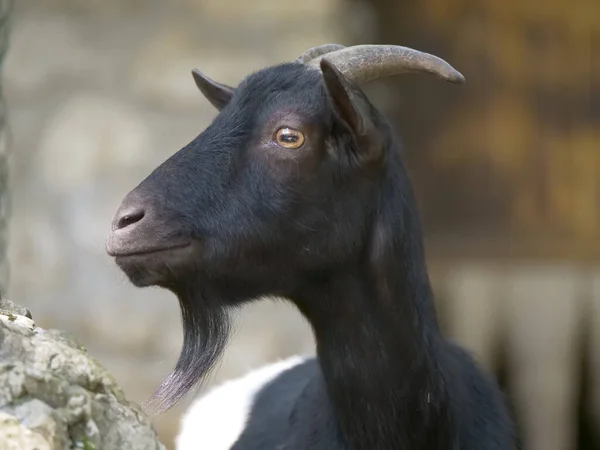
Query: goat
{"type": "Point", "coordinates": [298, 189]}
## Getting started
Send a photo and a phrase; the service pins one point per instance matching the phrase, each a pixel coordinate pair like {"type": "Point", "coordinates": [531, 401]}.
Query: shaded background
{"type": "Point", "coordinates": [506, 169]}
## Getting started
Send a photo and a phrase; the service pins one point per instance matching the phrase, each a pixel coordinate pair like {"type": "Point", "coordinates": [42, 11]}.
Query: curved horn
{"type": "Point", "coordinates": [314, 52]}
{"type": "Point", "coordinates": [363, 63]}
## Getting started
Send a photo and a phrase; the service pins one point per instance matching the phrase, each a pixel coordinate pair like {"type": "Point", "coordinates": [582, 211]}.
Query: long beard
{"type": "Point", "coordinates": [206, 329]}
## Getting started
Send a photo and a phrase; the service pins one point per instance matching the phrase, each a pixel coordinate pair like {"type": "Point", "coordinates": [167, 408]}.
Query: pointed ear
{"type": "Point", "coordinates": [350, 109]}
{"type": "Point", "coordinates": [340, 95]}
{"type": "Point", "coordinates": [216, 93]}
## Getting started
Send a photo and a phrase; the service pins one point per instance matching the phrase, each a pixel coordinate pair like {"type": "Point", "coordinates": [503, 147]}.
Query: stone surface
{"type": "Point", "coordinates": [16, 436]}
{"type": "Point", "coordinates": [55, 396]}
{"type": "Point", "coordinates": [7, 307]}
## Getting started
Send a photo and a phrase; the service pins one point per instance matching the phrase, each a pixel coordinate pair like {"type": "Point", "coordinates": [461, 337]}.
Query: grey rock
{"type": "Point", "coordinates": [8, 307]}
{"type": "Point", "coordinates": [54, 396]}
{"type": "Point", "coordinates": [15, 436]}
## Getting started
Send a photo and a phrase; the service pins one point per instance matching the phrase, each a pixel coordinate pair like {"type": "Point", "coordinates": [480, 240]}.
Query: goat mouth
{"type": "Point", "coordinates": [153, 266]}
{"type": "Point", "coordinates": [149, 251]}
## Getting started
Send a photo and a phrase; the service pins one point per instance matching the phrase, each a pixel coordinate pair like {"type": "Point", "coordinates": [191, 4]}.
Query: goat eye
{"type": "Point", "coordinates": [289, 138]}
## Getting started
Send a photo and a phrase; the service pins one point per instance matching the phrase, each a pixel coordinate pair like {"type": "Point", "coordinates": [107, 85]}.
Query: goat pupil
{"type": "Point", "coordinates": [290, 138]}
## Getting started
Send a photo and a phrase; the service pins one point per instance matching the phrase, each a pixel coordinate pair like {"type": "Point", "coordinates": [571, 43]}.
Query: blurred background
{"type": "Point", "coordinates": [506, 169]}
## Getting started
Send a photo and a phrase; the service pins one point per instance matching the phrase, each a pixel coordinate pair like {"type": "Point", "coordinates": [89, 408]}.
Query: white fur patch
{"type": "Point", "coordinates": [217, 420]}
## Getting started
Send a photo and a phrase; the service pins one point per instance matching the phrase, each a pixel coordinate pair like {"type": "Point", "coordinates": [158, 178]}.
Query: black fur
{"type": "Point", "coordinates": [332, 226]}
{"type": "Point", "coordinates": [293, 412]}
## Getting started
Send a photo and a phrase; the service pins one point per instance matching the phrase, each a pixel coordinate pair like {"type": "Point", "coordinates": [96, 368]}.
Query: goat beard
{"type": "Point", "coordinates": [206, 329]}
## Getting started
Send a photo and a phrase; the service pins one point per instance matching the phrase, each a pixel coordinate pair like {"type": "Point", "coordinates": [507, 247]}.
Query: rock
{"type": "Point", "coordinates": [15, 436]}
{"type": "Point", "coordinates": [53, 395]}
{"type": "Point", "coordinates": [8, 307]}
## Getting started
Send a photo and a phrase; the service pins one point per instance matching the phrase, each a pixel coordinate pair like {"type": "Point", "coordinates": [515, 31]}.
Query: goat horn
{"type": "Point", "coordinates": [363, 63]}
{"type": "Point", "coordinates": [314, 52]}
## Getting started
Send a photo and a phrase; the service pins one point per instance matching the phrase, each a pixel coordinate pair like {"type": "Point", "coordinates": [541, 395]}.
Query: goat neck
{"type": "Point", "coordinates": [381, 311]}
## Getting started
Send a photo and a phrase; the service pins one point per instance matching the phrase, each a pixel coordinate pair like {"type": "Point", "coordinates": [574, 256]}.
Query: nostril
{"type": "Point", "coordinates": [129, 218]}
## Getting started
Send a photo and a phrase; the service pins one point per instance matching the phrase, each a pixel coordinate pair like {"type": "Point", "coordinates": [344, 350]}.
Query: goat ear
{"type": "Point", "coordinates": [339, 91]}
{"type": "Point", "coordinates": [216, 93]}
{"type": "Point", "coordinates": [350, 109]}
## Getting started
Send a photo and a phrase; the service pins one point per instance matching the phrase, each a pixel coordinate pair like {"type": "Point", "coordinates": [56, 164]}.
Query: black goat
{"type": "Point", "coordinates": [298, 190]}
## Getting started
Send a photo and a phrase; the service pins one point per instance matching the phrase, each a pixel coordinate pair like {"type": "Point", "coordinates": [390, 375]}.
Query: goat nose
{"type": "Point", "coordinates": [127, 217]}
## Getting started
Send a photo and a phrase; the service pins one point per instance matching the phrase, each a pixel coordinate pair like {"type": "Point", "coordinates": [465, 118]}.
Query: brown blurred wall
{"type": "Point", "coordinates": [509, 163]}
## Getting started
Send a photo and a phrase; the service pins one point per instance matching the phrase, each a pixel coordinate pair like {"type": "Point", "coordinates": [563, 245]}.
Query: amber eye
{"type": "Point", "coordinates": [289, 138]}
